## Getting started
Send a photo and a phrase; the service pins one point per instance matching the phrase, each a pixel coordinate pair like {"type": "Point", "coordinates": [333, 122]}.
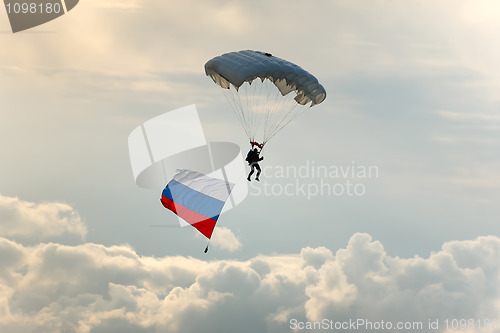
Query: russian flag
{"type": "Point", "coordinates": [196, 198]}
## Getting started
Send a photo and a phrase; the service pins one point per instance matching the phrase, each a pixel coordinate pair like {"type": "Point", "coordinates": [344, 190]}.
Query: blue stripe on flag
{"type": "Point", "coordinates": [193, 200]}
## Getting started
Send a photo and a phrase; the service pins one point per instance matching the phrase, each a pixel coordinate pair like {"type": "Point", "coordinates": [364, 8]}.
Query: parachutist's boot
{"type": "Point", "coordinates": [248, 178]}
{"type": "Point", "coordinates": [257, 179]}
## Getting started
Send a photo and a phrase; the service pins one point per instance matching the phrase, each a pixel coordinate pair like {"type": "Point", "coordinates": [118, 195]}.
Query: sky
{"type": "Point", "coordinates": [412, 94]}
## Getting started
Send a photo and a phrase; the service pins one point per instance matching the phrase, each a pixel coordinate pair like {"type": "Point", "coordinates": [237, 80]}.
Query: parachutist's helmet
{"type": "Point", "coordinates": [255, 150]}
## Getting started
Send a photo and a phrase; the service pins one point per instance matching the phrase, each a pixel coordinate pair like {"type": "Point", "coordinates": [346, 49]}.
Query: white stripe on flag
{"type": "Point", "coordinates": [213, 187]}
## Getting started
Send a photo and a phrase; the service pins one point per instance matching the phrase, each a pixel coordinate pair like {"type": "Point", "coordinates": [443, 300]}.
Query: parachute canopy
{"type": "Point", "coordinates": [196, 198]}
{"type": "Point", "coordinates": [237, 68]}
{"type": "Point", "coordinates": [264, 106]}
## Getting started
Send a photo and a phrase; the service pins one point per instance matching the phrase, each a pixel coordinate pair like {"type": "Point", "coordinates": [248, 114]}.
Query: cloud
{"type": "Point", "coordinates": [224, 239]}
{"type": "Point", "coordinates": [454, 282]}
{"type": "Point", "coordinates": [36, 222]}
{"type": "Point", "coordinates": [94, 288]}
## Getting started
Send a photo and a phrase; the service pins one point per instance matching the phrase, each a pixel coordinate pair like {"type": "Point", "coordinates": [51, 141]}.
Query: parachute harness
{"type": "Point", "coordinates": [260, 145]}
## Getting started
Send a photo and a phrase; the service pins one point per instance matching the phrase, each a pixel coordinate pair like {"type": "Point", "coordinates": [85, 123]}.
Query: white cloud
{"type": "Point", "coordinates": [225, 239]}
{"type": "Point", "coordinates": [452, 283]}
{"type": "Point", "coordinates": [46, 221]}
{"type": "Point", "coordinates": [94, 288]}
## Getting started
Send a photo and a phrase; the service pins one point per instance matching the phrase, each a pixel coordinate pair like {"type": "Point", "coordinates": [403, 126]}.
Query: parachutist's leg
{"type": "Point", "coordinates": [251, 171]}
{"type": "Point", "coordinates": [257, 166]}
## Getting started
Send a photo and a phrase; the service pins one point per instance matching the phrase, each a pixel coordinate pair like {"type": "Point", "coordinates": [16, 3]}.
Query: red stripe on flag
{"type": "Point", "coordinates": [204, 224]}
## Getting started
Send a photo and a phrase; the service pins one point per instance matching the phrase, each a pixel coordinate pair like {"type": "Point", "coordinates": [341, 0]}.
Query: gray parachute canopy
{"type": "Point", "coordinates": [264, 107]}
{"type": "Point", "coordinates": [237, 68]}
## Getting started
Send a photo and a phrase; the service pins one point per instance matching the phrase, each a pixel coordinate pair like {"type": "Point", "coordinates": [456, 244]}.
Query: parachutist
{"type": "Point", "coordinates": [253, 160]}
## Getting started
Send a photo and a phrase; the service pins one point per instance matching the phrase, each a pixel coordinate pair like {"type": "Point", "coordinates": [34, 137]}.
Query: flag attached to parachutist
{"type": "Point", "coordinates": [197, 199]}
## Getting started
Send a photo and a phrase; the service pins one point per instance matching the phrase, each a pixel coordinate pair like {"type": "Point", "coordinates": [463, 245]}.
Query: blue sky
{"type": "Point", "coordinates": [412, 89]}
